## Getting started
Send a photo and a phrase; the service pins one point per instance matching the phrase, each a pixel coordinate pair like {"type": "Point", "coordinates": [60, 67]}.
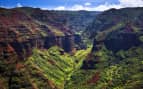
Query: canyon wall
{"type": "Point", "coordinates": [22, 31]}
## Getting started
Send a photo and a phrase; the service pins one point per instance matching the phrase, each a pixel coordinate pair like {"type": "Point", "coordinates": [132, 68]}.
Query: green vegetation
{"type": "Point", "coordinates": [123, 70]}
{"type": "Point", "coordinates": [102, 35]}
{"type": "Point", "coordinates": [55, 69]}
{"type": "Point", "coordinates": [55, 65]}
{"type": "Point", "coordinates": [141, 38]}
{"type": "Point", "coordinates": [50, 69]}
{"type": "Point", "coordinates": [56, 31]}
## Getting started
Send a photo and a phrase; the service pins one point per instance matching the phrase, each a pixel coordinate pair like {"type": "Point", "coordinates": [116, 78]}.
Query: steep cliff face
{"type": "Point", "coordinates": [24, 49]}
{"type": "Point", "coordinates": [123, 41]}
{"type": "Point", "coordinates": [117, 29]}
{"type": "Point", "coordinates": [65, 42]}
{"type": "Point", "coordinates": [23, 29]}
{"type": "Point", "coordinates": [118, 41]}
{"type": "Point", "coordinates": [20, 32]}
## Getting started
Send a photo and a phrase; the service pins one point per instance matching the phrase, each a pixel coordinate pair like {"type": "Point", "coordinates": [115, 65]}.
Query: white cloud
{"type": "Point", "coordinates": [87, 4]}
{"type": "Point", "coordinates": [60, 8]}
{"type": "Point", "coordinates": [103, 7]}
{"type": "Point", "coordinates": [73, 8]}
{"type": "Point", "coordinates": [19, 5]}
{"type": "Point", "coordinates": [76, 7]}
{"type": "Point", "coordinates": [131, 3]}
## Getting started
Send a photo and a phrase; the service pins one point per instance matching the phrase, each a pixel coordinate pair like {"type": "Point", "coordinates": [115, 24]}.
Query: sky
{"type": "Point", "coordinates": [90, 5]}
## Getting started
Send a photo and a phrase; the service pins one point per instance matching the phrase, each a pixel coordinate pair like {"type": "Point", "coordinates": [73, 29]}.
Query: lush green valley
{"type": "Point", "coordinates": [45, 68]}
{"type": "Point", "coordinates": [122, 70]}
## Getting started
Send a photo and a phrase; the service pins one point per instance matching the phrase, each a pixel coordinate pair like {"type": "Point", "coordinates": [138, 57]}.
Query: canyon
{"type": "Point", "coordinates": [48, 49]}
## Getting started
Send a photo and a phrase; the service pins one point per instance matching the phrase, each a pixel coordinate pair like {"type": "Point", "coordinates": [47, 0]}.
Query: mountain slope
{"type": "Point", "coordinates": [118, 28]}
{"type": "Point", "coordinates": [48, 69]}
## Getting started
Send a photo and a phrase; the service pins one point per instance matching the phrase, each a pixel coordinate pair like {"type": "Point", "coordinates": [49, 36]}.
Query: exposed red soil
{"type": "Point", "coordinates": [94, 78]}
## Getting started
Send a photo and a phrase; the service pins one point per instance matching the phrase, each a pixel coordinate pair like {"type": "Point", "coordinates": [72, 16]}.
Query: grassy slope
{"type": "Point", "coordinates": [54, 67]}
{"type": "Point", "coordinates": [122, 70]}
